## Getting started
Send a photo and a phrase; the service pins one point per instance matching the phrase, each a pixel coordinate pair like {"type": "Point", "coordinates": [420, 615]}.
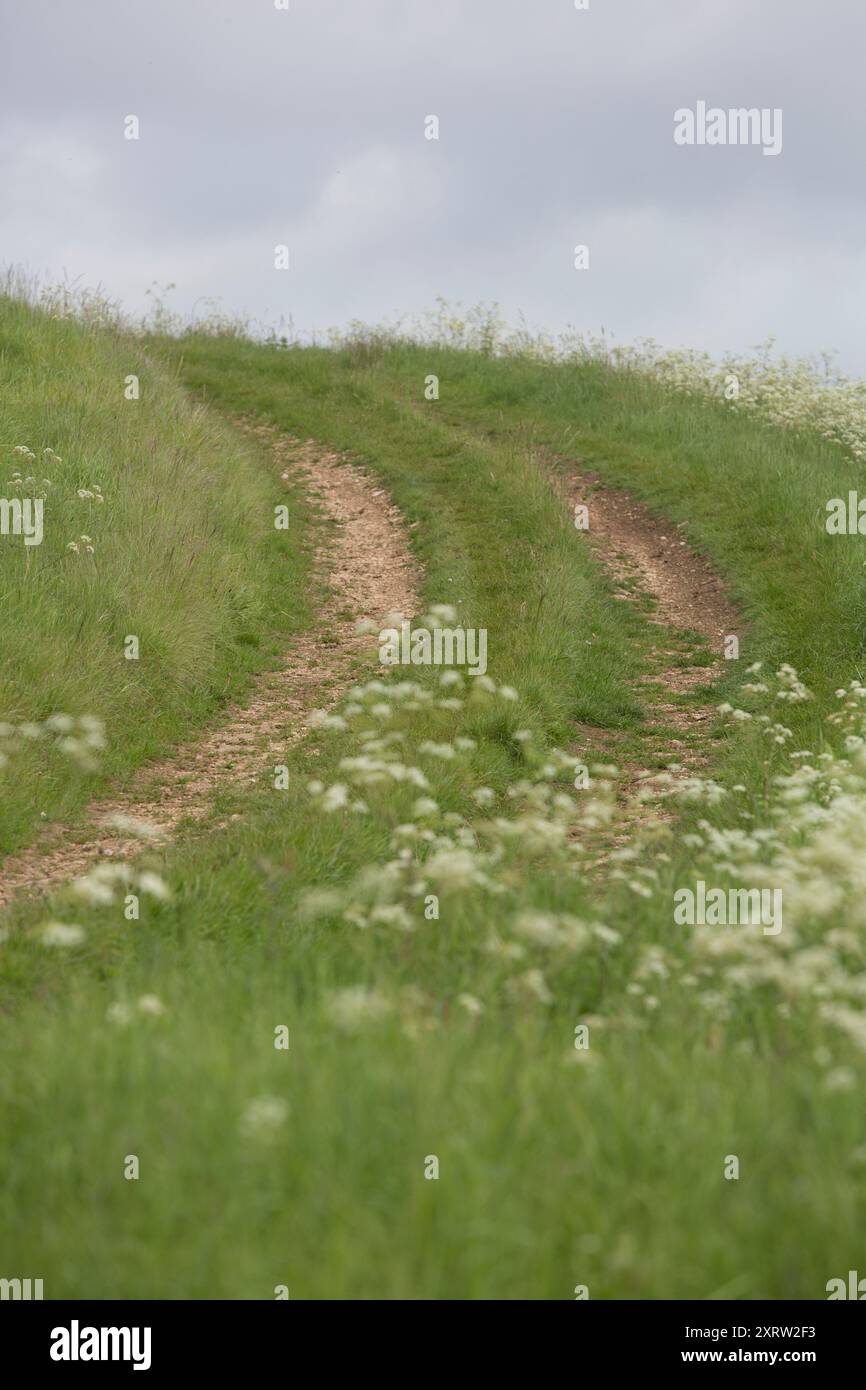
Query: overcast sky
{"type": "Point", "coordinates": [261, 126]}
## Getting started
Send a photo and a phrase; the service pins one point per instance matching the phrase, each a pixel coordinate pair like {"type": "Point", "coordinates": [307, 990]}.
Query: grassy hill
{"type": "Point", "coordinates": [454, 1037]}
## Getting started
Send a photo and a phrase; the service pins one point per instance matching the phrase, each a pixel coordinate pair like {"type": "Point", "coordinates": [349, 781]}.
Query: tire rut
{"type": "Point", "coordinates": [367, 570]}
{"type": "Point", "coordinates": [647, 557]}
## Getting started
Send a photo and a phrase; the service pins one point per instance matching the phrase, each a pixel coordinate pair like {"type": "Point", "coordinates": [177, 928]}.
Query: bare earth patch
{"type": "Point", "coordinates": [369, 572]}
{"type": "Point", "coordinates": [648, 557]}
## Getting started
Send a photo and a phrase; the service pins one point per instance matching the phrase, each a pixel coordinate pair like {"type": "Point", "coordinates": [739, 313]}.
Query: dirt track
{"type": "Point", "coordinates": [369, 572]}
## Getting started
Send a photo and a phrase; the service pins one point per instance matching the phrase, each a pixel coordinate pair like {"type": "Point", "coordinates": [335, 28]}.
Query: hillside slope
{"type": "Point", "coordinates": [158, 527]}
{"type": "Point", "coordinates": [415, 1017]}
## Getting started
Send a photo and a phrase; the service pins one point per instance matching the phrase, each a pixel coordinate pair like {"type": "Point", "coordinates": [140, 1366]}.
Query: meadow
{"type": "Point", "coordinates": [419, 1022]}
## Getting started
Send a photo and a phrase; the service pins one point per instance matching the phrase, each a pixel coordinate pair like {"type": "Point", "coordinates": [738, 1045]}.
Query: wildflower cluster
{"type": "Point", "coordinates": [468, 866]}
{"type": "Point", "coordinates": [102, 884]}
{"type": "Point", "coordinates": [84, 545]}
{"type": "Point", "coordinates": [123, 1014]}
{"type": "Point", "coordinates": [76, 738]}
{"type": "Point", "coordinates": [797, 393]}
{"type": "Point", "coordinates": [456, 859]}
{"type": "Point", "coordinates": [28, 485]}
{"type": "Point", "coordinates": [810, 847]}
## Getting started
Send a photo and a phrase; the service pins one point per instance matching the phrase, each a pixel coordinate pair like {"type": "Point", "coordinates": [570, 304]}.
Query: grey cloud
{"type": "Point", "coordinates": [306, 127]}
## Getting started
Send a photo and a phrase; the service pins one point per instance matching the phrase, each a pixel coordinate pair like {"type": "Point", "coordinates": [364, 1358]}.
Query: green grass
{"type": "Point", "coordinates": [555, 1169]}
{"type": "Point", "coordinates": [751, 497]}
{"type": "Point", "coordinates": [185, 558]}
